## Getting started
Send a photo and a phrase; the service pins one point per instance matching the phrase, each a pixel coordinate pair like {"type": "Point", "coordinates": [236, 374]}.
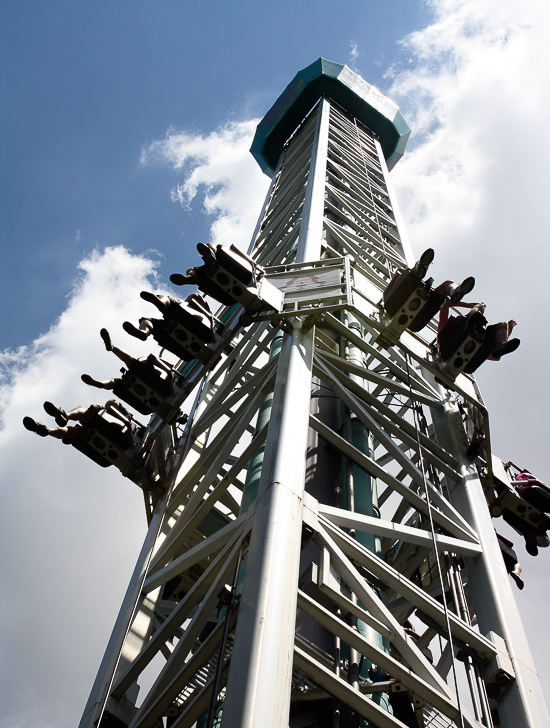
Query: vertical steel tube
{"type": "Point", "coordinates": [260, 676]}
{"type": "Point", "coordinates": [523, 702]}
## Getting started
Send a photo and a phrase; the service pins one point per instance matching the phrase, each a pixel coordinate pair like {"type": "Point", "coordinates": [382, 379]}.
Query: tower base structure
{"type": "Point", "coordinates": [321, 551]}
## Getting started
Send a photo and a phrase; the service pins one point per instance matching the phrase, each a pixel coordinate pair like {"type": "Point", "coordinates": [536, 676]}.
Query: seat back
{"type": "Point", "coordinates": [458, 350]}
{"type": "Point", "coordinates": [144, 388]}
{"type": "Point", "coordinates": [191, 319]}
{"type": "Point", "coordinates": [430, 308]}
{"type": "Point", "coordinates": [105, 443]}
{"type": "Point", "coordinates": [408, 304]}
{"type": "Point", "coordinates": [400, 291]}
{"type": "Point", "coordinates": [181, 341]}
{"type": "Point", "coordinates": [237, 264]}
{"type": "Point", "coordinates": [535, 493]}
{"type": "Point", "coordinates": [235, 276]}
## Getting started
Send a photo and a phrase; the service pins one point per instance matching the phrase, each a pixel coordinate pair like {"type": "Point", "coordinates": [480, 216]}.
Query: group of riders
{"type": "Point", "coordinates": [189, 330]}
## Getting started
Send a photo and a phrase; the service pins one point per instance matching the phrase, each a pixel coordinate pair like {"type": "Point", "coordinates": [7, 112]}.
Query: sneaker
{"type": "Point", "coordinates": [178, 279]}
{"type": "Point", "coordinates": [463, 289]}
{"type": "Point", "coordinates": [106, 339]}
{"type": "Point", "coordinates": [57, 413]}
{"type": "Point", "coordinates": [507, 348]}
{"type": "Point", "coordinates": [87, 379]}
{"type": "Point", "coordinates": [518, 580]}
{"type": "Point", "coordinates": [421, 267]}
{"type": "Point", "coordinates": [34, 426]}
{"type": "Point", "coordinates": [207, 253]}
{"type": "Point", "coordinates": [131, 329]}
{"type": "Point", "coordinates": [152, 298]}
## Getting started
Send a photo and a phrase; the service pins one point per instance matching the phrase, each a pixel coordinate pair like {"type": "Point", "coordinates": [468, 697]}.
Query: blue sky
{"type": "Point", "coordinates": [86, 85]}
{"type": "Point", "coordinates": [125, 128]}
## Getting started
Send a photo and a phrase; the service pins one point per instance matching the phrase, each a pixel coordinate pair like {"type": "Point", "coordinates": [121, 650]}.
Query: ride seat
{"type": "Point", "coordinates": [144, 388]}
{"type": "Point", "coordinates": [523, 516]}
{"type": "Point", "coordinates": [185, 331]}
{"type": "Point", "coordinates": [237, 264]}
{"type": "Point", "coordinates": [396, 296]}
{"type": "Point", "coordinates": [528, 531]}
{"type": "Point", "coordinates": [240, 280]}
{"type": "Point", "coordinates": [104, 442]}
{"type": "Point", "coordinates": [409, 303]}
{"type": "Point", "coordinates": [535, 493]}
{"type": "Point", "coordinates": [431, 307]}
{"type": "Point", "coordinates": [190, 319]}
{"type": "Point", "coordinates": [458, 350]}
{"type": "Point", "coordinates": [210, 288]}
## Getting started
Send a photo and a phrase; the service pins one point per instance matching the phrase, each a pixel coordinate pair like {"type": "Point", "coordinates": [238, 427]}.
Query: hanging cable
{"type": "Point", "coordinates": [432, 528]}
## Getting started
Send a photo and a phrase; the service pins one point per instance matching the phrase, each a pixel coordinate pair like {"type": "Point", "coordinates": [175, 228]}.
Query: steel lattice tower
{"type": "Point", "coordinates": [323, 489]}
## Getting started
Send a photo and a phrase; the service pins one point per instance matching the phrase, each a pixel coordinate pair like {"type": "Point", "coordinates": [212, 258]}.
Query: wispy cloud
{"type": "Point", "coordinates": [354, 56]}
{"type": "Point", "coordinates": [219, 167]}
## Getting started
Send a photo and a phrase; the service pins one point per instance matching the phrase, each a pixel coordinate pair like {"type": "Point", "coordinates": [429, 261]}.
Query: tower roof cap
{"type": "Point", "coordinates": [348, 90]}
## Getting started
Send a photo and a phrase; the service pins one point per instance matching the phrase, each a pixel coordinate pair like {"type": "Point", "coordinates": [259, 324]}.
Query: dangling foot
{"type": "Point", "coordinates": [131, 329]}
{"type": "Point", "coordinates": [34, 426]}
{"type": "Point", "coordinates": [90, 381]}
{"type": "Point", "coordinates": [154, 299]}
{"type": "Point", "coordinates": [463, 289]}
{"type": "Point", "coordinates": [421, 267]}
{"type": "Point", "coordinates": [531, 545]}
{"type": "Point", "coordinates": [106, 339]}
{"type": "Point", "coordinates": [207, 254]}
{"type": "Point", "coordinates": [57, 413]}
{"type": "Point", "coordinates": [517, 578]}
{"type": "Point", "coordinates": [507, 348]}
{"type": "Point", "coordinates": [178, 279]}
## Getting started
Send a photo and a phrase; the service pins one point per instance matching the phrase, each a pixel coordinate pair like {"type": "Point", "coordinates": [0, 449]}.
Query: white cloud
{"type": "Point", "coordinates": [220, 166]}
{"type": "Point", "coordinates": [474, 187]}
{"type": "Point", "coordinates": [70, 531]}
{"type": "Point", "coordinates": [354, 55]}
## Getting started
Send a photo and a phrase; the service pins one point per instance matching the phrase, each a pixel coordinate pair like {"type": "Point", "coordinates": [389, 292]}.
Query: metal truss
{"type": "Point", "coordinates": [271, 591]}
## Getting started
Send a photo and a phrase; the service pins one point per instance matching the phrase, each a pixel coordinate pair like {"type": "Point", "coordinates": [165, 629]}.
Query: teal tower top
{"type": "Point", "coordinates": [347, 89]}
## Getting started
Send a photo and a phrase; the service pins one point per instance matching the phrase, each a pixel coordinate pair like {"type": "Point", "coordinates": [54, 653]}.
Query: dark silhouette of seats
{"type": "Point", "coordinates": [106, 442]}
{"type": "Point", "coordinates": [185, 331]}
{"type": "Point", "coordinates": [459, 351]}
{"type": "Point", "coordinates": [408, 303]}
{"type": "Point", "coordinates": [144, 388]}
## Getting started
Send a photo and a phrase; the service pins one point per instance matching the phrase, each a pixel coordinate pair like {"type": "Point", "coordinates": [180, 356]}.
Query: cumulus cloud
{"type": "Point", "coordinates": [220, 167]}
{"type": "Point", "coordinates": [472, 95]}
{"type": "Point", "coordinates": [474, 184]}
{"type": "Point", "coordinates": [474, 187]}
{"type": "Point", "coordinates": [70, 531]}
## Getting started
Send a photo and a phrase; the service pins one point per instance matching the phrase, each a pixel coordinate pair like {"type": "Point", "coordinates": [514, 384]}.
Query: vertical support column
{"type": "Point", "coordinates": [261, 662]}
{"type": "Point", "coordinates": [311, 229]}
{"type": "Point", "coordinates": [523, 702]}
{"type": "Point", "coordinates": [104, 679]}
{"type": "Point", "coordinates": [260, 676]}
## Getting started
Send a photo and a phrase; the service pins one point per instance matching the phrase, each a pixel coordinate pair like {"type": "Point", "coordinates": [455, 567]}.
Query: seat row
{"type": "Point", "coordinates": [463, 343]}
{"type": "Point", "coordinates": [109, 434]}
